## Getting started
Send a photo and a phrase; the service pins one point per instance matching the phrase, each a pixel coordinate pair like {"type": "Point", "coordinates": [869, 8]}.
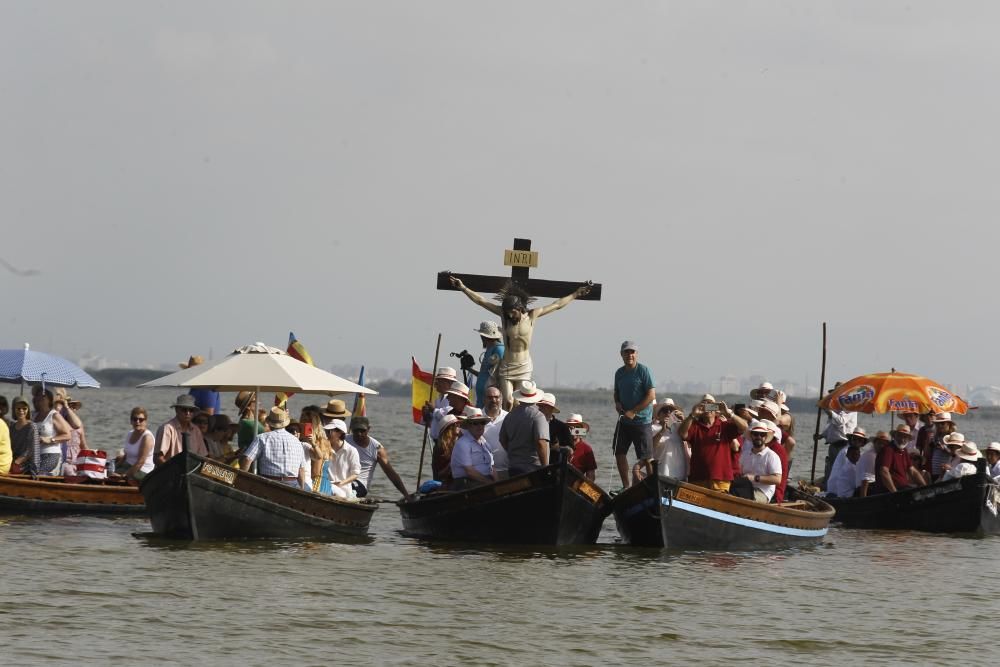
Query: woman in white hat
{"type": "Point", "coordinates": [489, 361]}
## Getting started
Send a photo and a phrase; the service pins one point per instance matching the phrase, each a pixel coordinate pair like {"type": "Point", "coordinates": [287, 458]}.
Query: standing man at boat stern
{"type": "Point", "coordinates": [279, 454]}
{"type": "Point", "coordinates": [634, 396]}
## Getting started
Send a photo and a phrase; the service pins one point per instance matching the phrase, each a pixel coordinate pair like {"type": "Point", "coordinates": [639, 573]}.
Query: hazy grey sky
{"type": "Point", "coordinates": [189, 175]}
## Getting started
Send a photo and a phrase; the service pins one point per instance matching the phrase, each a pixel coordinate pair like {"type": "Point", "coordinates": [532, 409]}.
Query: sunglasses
{"type": "Point", "coordinates": [188, 410]}
{"type": "Point", "coordinates": [359, 430]}
{"type": "Point", "coordinates": [138, 419]}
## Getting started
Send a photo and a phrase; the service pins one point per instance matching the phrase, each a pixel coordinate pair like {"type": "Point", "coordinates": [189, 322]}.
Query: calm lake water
{"type": "Point", "coordinates": [89, 590]}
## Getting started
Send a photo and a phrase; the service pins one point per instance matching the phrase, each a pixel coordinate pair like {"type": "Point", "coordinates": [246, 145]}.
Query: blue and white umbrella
{"type": "Point", "coordinates": [29, 366]}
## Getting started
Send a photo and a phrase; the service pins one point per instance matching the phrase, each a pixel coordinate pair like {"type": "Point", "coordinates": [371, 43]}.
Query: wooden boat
{"type": "Point", "coordinates": [693, 517]}
{"type": "Point", "coordinates": [22, 494]}
{"type": "Point", "coordinates": [191, 498]}
{"type": "Point", "coordinates": [637, 514]}
{"type": "Point", "coordinates": [964, 505]}
{"type": "Point", "coordinates": [554, 505]}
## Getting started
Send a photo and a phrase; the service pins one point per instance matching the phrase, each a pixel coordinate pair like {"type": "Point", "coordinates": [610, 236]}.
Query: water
{"type": "Point", "coordinates": [87, 590]}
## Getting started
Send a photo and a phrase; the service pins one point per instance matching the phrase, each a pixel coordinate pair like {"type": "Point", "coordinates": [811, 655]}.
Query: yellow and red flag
{"type": "Point", "coordinates": [298, 351]}
{"type": "Point", "coordinates": [423, 385]}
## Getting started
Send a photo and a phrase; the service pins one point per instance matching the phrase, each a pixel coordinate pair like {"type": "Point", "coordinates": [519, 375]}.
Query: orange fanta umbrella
{"type": "Point", "coordinates": [893, 392]}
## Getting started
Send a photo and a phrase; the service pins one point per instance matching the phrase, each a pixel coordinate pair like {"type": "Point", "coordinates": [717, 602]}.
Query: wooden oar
{"type": "Point", "coordinates": [819, 411]}
{"type": "Point", "coordinates": [423, 446]}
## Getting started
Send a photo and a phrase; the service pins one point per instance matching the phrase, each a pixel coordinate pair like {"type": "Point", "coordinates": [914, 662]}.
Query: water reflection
{"type": "Point", "coordinates": [313, 545]}
{"type": "Point", "coordinates": [511, 552]}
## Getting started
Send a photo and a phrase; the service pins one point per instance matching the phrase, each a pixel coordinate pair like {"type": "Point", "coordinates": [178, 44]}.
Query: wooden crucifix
{"type": "Point", "coordinates": [517, 319]}
{"type": "Point", "coordinates": [520, 259]}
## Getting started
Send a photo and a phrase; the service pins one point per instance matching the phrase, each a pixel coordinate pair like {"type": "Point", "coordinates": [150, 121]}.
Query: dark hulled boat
{"type": "Point", "coordinates": [964, 505]}
{"type": "Point", "coordinates": [191, 498]}
{"type": "Point", "coordinates": [554, 505]}
{"type": "Point", "coordinates": [693, 517]}
{"type": "Point", "coordinates": [23, 494]}
{"type": "Point", "coordinates": [637, 514]}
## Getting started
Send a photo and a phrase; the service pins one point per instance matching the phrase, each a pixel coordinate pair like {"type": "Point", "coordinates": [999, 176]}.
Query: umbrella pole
{"type": "Point", "coordinates": [819, 411]}
{"type": "Point", "coordinates": [430, 397]}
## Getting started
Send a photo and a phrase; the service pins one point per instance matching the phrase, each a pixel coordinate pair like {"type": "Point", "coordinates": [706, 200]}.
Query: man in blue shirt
{"type": "Point", "coordinates": [207, 400]}
{"type": "Point", "coordinates": [634, 395]}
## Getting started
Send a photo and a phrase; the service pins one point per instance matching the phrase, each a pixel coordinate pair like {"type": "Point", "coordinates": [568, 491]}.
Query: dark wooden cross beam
{"type": "Point", "coordinates": [518, 274]}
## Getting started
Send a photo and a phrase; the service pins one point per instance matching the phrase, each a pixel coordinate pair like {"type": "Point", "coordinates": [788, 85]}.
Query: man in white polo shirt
{"type": "Point", "coordinates": [494, 410]}
{"type": "Point", "coordinates": [760, 464]}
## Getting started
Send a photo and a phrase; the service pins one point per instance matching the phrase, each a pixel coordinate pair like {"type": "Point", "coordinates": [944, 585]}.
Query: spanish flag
{"type": "Point", "coordinates": [359, 409]}
{"type": "Point", "coordinates": [297, 351]}
{"type": "Point", "coordinates": [423, 383]}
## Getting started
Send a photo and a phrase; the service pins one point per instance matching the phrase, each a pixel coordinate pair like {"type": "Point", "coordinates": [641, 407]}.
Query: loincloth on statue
{"type": "Point", "coordinates": [515, 371]}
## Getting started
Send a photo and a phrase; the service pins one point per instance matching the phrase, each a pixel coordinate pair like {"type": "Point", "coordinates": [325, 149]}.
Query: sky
{"type": "Point", "coordinates": [189, 177]}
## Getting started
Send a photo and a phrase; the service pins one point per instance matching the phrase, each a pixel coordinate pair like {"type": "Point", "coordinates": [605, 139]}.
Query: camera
{"type": "Point", "coordinates": [467, 361]}
{"type": "Point", "coordinates": [711, 407]}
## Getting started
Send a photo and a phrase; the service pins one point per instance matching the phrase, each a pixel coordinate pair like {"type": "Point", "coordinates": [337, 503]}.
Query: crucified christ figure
{"type": "Point", "coordinates": [518, 323]}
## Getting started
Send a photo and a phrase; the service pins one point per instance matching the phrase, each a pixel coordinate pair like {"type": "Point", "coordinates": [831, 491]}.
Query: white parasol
{"type": "Point", "coordinates": [262, 368]}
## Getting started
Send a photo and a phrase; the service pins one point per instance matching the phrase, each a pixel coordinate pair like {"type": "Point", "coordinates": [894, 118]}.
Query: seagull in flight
{"type": "Point", "coordinates": [16, 271]}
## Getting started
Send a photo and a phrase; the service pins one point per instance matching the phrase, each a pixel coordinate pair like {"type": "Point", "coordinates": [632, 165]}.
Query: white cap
{"type": "Point", "coordinates": [336, 424]}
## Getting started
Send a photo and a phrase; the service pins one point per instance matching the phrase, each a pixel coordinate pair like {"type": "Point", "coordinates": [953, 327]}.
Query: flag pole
{"type": "Point", "coordinates": [819, 411]}
{"type": "Point", "coordinates": [430, 397]}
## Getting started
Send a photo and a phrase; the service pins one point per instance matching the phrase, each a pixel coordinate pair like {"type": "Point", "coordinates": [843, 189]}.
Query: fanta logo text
{"type": "Point", "coordinates": [940, 397]}
{"type": "Point", "coordinates": [903, 405]}
{"type": "Point", "coordinates": [857, 396]}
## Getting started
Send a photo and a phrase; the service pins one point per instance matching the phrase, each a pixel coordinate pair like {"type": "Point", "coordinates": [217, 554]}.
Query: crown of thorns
{"type": "Point", "coordinates": [512, 295]}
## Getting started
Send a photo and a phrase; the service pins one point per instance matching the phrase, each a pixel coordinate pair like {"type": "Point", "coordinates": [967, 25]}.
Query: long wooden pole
{"type": "Point", "coordinates": [430, 397]}
{"type": "Point", "coordinates": [819, 411]}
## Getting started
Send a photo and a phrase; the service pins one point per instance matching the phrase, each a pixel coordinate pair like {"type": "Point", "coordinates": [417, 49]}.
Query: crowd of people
{"type": "Point", "coordinates": [317, 452]}
{"type": "Point", "coordinates": [921, 450]}
{"type": "Point", "coordinates": [41, 437]}
{"type": "Point", "coordinates": [745, 450]}
{"type": "Point", "coordinates": [477, 445]}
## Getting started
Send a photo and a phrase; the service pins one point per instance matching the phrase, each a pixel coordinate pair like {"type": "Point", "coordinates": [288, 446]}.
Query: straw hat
{"type": "Point", "coordinates": [447, 421]}
{"type": "Point", "coordinates": [489, 330]}
{"type": "Point", "coordinates": [446, 373]}
{"type": "Point", "coordinates": [549, 400]}
{"type": "Point", "coordinates": [277, 418]}
{"type": "Point", "coordinates": [771, 407]}
{"type": "Point", "coordinates": [458, 389]}
{"type": "Point", "coordinates": [193, 360]}
{"type": "Point", "coordinates": [860, 434]}
{"type": "Point", "coordinates": [243, 400]}
{"type": "Point", "coordinates": [575, 420]}
{"type": "Point", "coordinates": [473, 415]}
{"type": "Point", "coordinates": [184, 401]}
{"type": "Point", "coordinates": [993, 447]}
{"type": "Point", "coordinates": [528, 393]}
{"type": "Point", "coordinates": [942, 417]}
{"type": "Point", "coordinates": [336, 409]}
{"type": "Point", "coordinates": [954, 439]}
{"type": "Point", "coordinates": [969, 452]}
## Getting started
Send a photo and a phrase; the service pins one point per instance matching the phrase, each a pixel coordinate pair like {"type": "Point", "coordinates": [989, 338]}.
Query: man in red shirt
{"type": "Point", "coordinates": [894, 469]}
{"type": "Point", "coordinates": [710, 430]}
